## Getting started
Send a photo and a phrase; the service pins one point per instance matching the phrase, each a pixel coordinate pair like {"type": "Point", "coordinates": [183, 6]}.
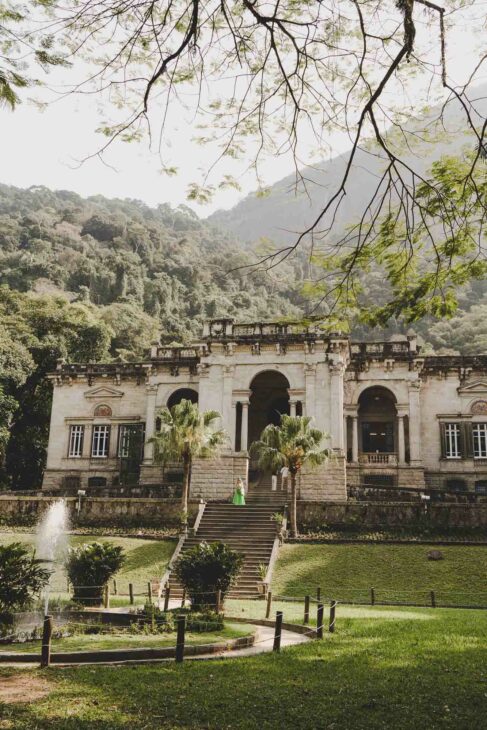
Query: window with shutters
{"type": "Point", "coordinates": [100, 442]}
{"type": "Point", "coordinates": [76, 438]}
{"type": "Point", "coordinates": [453, 441]}
{"type": "Point", "coordinates": [479, 434]}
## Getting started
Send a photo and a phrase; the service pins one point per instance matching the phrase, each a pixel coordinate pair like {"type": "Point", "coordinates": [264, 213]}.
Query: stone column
{"type": "Point", "coordinates": [244, 438]}
{"type": "Point", "coordinates": [228, 415]}
{"type": "Point", "coordinates": [415, 423]}
{"type": "Point", "coordinates": [345, 435]}
{"type": "Point", "coordinates": [232, 431]}
{"type": "Point", "coordinates": [355, 439]}
{"type": "Point", "coordinates": [401, 442]}
{"type": "Point", "coordinates": [150, 423]}
{"type": "Point", "coordinates": [292, 408]}
{"type": "Point", "coordinates": [337, 369]}
{"type": "Point", "coordinates": [310, 384]}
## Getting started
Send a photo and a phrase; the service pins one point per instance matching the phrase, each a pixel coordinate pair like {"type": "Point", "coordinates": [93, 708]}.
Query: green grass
{"type": "Point", "coordinates": [146, 560]}
{"type": "Point", "coordinates": [123, 640]}
{"type": "Point", "coordinates": [397, 572]}
{"type": "Point", "coordinates": [406, 669]}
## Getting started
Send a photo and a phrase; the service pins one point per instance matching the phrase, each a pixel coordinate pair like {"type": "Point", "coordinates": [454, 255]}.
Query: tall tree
{"type": "Point", "coordinates": [293, 444]}
{"type": "Point", "coordinates": [187, 434]}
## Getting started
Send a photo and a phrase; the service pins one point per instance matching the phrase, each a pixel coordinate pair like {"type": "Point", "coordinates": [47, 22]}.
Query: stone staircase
{"type": "Point", "coordinates": [248, 529]}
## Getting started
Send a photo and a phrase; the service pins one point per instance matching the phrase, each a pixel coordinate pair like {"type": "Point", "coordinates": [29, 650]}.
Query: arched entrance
{"type": "Point", "coordinates": [269, 399]}
{"type": "Point", "coordinates": [377, 417]}
{"type": "Point", "coordinates": [182, 394]}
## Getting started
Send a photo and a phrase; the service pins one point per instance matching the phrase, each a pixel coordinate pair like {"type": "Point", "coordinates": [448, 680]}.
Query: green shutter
{"type": "Point", "coordinates": [443, 440]}
{"type": "Point", "coordinates": [467, 449]}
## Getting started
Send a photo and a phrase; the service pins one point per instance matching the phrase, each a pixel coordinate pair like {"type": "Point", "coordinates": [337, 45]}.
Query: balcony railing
{"type": "Point", "coordinates": [376, 458]}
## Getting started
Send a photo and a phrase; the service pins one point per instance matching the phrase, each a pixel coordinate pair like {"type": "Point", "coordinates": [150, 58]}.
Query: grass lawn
{"type": "Point", "coordinates": [406, 669]}
{"type": "Point", "coordinates": [121, 640]}
{"type": "Point", "coordinates": [146, 559]}
{"type": "Point", "coordinates": [397, 572]}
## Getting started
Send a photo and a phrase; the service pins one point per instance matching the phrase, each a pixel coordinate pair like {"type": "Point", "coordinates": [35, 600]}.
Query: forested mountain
{"type": "Point", "coordinates": [98, 279]}
{"type": "Point", "coordinates": [148, 269]}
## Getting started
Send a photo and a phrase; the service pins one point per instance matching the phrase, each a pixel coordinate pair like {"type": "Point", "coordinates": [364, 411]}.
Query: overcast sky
{"type": "Point", "coordinates": [44, 148]}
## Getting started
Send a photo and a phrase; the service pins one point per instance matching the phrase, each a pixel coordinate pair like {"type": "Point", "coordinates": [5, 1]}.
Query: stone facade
{"type": "Point", "coordinates": [392, 417]}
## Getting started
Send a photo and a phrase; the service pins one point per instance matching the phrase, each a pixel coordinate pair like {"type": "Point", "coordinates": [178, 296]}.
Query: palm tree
{"type": "Point", "coordinates": [293, 443]}
{"type": "Point", "coordinates": [186, 434]}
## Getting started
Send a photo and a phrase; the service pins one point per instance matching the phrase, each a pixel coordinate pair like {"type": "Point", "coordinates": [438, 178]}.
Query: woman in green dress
{"type": "Point", "coordinates": [239, 493]}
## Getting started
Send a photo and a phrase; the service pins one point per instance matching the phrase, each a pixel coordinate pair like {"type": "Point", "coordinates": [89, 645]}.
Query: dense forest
{"type": "Point", "coordinates": [98, 279]}
{"type": "Point", "coordinates": [95, 279]}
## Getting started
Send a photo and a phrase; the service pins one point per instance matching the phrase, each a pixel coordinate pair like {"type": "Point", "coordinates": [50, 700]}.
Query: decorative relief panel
{"type": "Point", "coordinates": [102, 411]}
{"type": "Point", "coordinates": [479, 408]}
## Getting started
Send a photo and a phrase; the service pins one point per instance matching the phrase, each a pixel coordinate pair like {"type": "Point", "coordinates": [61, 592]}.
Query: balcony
{"type": "Point", "coordinates": [376, 459]}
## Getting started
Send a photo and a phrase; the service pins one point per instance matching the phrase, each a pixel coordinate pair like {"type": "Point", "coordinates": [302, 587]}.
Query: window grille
{"type": "Point", "coordinates": [100, 443]}
{"type": "Point", "coordinates": [479, 433]}
{"type": "Point", "coordinates": [452, 437]}
{"type": "Point", "coordinates": [76, 438]}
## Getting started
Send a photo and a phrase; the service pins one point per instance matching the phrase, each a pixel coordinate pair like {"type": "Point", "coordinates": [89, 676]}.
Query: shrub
{"type": "Point", "coordinates": [206, 569]}
{"type": "Point", "coordinates": [90, 567]}
{"type": "Point", "coordinates": [22, 576]}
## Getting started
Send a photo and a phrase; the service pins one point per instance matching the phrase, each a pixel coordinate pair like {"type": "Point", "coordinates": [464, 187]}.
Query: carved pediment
{"type": "Point", "coordinates": [475, 387]}
{"type": "Point", "coordinates": [102, 392]}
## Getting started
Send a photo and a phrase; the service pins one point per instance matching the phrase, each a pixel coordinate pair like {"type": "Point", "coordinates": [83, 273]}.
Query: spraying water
{"type": "Point", "coordinates": [52, 540]}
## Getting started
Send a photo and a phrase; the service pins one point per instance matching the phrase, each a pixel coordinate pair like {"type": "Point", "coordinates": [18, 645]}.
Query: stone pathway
{"type": "Point", "coordinates": [264, 640]}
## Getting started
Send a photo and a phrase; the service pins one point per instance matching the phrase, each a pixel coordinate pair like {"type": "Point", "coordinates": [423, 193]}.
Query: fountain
{"type": "Point", "coordinates": [52, 540]}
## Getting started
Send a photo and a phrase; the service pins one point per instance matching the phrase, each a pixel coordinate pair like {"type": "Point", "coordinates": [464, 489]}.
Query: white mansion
{"type": "Point", "coordinates": [392, 416]}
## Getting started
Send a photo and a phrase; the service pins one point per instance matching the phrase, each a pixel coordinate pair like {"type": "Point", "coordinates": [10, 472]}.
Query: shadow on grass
{"type": "Point", "coordinates": [405, 675]}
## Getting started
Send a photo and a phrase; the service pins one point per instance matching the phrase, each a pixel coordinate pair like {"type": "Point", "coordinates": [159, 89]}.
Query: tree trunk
{"type": "Point", "coordinates": [185, 494]}
{"type": "Point", "coordinates": [294, 521]}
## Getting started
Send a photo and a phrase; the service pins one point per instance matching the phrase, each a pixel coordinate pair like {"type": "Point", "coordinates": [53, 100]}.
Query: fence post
{"type": "Point", "coordinates": [181, 630]}
{"type": "Point", "coordinates": [306, 610]}
{"type": "Point", "coordinates": [319, 621]}
{"type": "Point", "coordinates": [318, 594]}
{"type": "Point", "coordinates": [183, 599]}
{"type": "Point", "coordinates": [149, 592]}
{"type": "Point", "coordinates": [167, 594]}
{"type": "Point", "coordinates": [106, 597]}
{"type": "Point", "coordinates": [372, 596]}
{"type": "Point", "coordinates": [131, 594]}
{"type": "Point", "coordinates": [269, 604]}
{"type": "Point", "coordinates": [114, 587]}
{"type": "Point", "coordinates": [46, 642]}
{"type": "Point", "coordinates": [331, 627]}
{"type": "Point", "coordinates": [218, 601]}
{"type": "Point", "coordinates": [277, 632]}
{"type": "Point", "coordinates": [433, 599]}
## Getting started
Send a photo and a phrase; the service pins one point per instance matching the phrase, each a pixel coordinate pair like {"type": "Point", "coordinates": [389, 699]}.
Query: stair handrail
{"type": "Point", "coordinates": [170, 566]}
{"type": "Point", "coordinates": [275, 549]}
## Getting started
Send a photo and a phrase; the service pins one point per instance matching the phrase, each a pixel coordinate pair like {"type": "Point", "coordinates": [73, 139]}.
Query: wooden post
{"type": "Point", "coordinates": [218, 601]}
{"type": "Point", "coordinates": [306, 610]}
{"type": "Point", "coordinates": [269, 605]}
{"type": "Point", "coordinates": [149, 592]}
{"type": "Point", "coordinates": [167, 594]}
{"type": "Point", "coordinates": [131, 594]}
{"type": "Point", "coordinates": [114, 587]}
{"type": "Point", "coordinates": [372, 596]}
{"type": "Point", "coordinates": [277, 631]}
{"type": "Point", "coordinates": [181, 630]}
{"type": "Point", "coordinates": [183, 599]}
{"type": "Point", "coordinates": [318, 594]}
{"type": "Point", "coordinates": [106, 597]}
{"type": "Point", "coordinates": [331, 626]}
{"type": "Point", "coordinates": [433, 599]}
{"type": "Point", "coordinates": [46, 642]}
{"type": "Point", "coordinates": [319, 621]}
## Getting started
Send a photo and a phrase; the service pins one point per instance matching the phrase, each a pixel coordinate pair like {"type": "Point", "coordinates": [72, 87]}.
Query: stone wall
{"type": "Point", "coordinates": [314, 515]}
{"type": "Point", "coordinates": [327, 481]}
{"type": "Point", "coordinates": [101, 511]}
{"type": "Point", "coordinates": [215, 479]}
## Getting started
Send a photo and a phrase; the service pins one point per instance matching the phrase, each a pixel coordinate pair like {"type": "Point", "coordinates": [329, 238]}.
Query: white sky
{"type": "Point", "coordinates": [43, 148]}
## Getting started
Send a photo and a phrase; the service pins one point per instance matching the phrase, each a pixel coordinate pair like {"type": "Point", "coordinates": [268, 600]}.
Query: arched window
{"type": "Point", "coordinates": [182, 394]}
